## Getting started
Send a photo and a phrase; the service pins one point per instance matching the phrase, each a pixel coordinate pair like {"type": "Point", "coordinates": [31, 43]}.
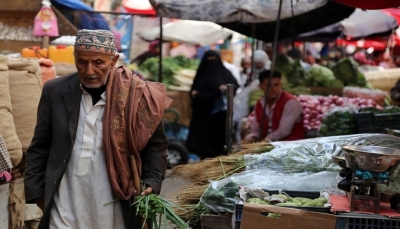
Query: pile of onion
{"type": "Point", "coordinates": [315, 107]}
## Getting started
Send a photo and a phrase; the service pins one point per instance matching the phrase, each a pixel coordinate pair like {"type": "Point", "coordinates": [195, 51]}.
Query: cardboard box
{"type": "Point", "coordinates": [255, 217]}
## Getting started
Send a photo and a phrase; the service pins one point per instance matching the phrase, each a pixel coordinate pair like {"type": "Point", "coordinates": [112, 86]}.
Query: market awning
{"type": "Point", "coordinates": [318, 18]}
{"type": "Point", "coordinates": [224, 11]}
{"type": "Point", "coordinates": [362, 23]}
{"type": "Point", "coordinates": [370, 4]}
{"type": "Point", "coordinates": [186, 31]}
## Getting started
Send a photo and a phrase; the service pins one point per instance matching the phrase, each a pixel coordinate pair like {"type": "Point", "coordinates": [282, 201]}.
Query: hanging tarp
{"type": "Point", "coordinates": [86, 20]}
{"type": "Point", "coordinates": [362, 23]}
{"type": "Point", "coordinates": [223, 11]}
{"type": "Point", "coordinates": [326, 15]}
{"type": "Point", "coordinates": [187, 31]}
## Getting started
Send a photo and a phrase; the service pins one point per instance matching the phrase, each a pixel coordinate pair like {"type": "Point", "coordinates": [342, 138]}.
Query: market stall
{"type": "Point", "coordinates": [291, 181]}
{"type": "Point", "coordinates": [17, 20]}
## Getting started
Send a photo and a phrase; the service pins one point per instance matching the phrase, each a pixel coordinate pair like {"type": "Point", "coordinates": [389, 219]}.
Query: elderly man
{"type": "Point", "coordinates": [261, 63]}
{"type": "Point", "coordinates": [90, 125]}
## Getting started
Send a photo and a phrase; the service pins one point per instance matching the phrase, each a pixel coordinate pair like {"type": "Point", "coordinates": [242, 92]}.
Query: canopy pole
{"type": "Point", "coordinates": [252, 50]}
{"type": "Point", "coordinates": [292, 23]}
{"type": "Point", "coordinates": [274, 47]}
{"type": "Point", "coordinates": [160, 67]}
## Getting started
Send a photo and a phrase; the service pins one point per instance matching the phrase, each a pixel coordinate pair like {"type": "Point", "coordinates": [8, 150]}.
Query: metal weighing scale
{"type": "Point", "coordinates": [363, 169]}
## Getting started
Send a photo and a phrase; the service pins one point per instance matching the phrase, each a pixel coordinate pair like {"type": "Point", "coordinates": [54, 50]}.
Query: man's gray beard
{"type": "Point", "coordinates": [105, 81]}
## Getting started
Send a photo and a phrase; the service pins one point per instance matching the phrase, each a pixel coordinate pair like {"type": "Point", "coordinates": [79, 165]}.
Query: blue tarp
{"type": "Point", "coordinates": [86, 20]}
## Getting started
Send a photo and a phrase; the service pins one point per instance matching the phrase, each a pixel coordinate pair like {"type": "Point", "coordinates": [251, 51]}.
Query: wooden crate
{"type": "Point", "coordinates": [216, 222]}
{"type": "Point", "coordinates": [326, 91]}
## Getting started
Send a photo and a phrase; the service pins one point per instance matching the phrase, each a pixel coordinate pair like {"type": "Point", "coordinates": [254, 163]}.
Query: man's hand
{"type": "Point", "coordinates": [267, 140]}
{"type": "Point", "coordinates": [248, 140]}
{"type": "Point", "coordinates": [40, 203]}
{"type": "Point", "coordinates": [147, 191]}
{"type": "Point", "coordinates": [223, 87]}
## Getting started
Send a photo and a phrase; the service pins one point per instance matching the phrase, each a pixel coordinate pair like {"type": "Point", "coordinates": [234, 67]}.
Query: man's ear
{"type": "Point", "coordinates": [115, 59]}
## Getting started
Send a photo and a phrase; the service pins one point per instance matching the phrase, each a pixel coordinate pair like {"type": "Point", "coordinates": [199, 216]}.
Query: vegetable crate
{"type": "Point", "coordinates": [311, 195]}
{"type": "Point", "coordinates": [355, 221]}
{"type": "Point", "coordinates": [368, 122]}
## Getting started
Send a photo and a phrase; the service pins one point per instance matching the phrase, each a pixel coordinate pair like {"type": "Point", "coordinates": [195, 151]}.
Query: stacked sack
{"type": "Point", "coordinates": [25, 88]}
{"type": "Point", "coordinates": [20, 91]}
{"type": "Point", "coordinates": [7, 127]}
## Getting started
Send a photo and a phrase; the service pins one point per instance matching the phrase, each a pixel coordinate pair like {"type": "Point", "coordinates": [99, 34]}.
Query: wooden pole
{"type": "Point", "coordinates": [161, 52]}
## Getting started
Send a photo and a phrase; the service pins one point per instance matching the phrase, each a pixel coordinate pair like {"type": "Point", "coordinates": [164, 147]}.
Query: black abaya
{"type": "Point", "coordinates": [207, 131]}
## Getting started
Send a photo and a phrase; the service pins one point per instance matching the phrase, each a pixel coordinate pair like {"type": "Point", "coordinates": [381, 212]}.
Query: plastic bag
{"type": "Point", "coordinates": [220, 104]}
{"type": "Point", "coordinates": [46, 22]}
{"type": "Point", "coordinates": [314, 154]}
{"type": "Point", "coordinates": [355, 92]}
{"type": "Point", "coordinates": [338, 121]}
{"type": "Point", "coordinates": [220, 196]}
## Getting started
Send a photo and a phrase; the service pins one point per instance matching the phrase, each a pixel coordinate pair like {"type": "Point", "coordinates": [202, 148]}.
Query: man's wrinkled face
{"type": "Point", "coordinates": [246, 64]}
{"type": "Point", "coordinates": [276, 88]}
{"type": "Point", "coordinates": [94, 68]}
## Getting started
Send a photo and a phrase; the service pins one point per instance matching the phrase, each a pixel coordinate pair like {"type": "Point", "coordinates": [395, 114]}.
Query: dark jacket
{"type": "Point", "coordinates": [48, 155]}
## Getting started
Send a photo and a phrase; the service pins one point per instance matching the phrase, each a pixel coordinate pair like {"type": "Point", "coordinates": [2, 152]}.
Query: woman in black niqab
{"type": "Point", "coordinates": [207, 131]}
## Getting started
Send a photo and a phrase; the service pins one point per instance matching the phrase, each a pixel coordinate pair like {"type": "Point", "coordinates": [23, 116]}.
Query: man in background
{"type": "Point", "coordinates": [278, 115]}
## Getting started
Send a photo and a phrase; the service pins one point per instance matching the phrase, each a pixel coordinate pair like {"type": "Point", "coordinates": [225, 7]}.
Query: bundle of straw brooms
{"type": "Point", "coordinates": [199, 174]}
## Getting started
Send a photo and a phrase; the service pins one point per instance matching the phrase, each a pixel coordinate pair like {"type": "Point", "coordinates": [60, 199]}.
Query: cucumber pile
{"type": "Point", "coordinates": [282, 200]}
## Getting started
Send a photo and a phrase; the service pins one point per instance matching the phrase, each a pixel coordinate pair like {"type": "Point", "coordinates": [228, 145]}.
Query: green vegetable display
{"type": "Point", "coordinates": [298, 76]}
{"type": "Point", "coordinates": [283, 64]}
{"type": "Point", "coordinates": [170, 67]}
{"type": "Point", "coordinates": [290, 201]}
{"type": "Point", "coordinates": [254, 96]}
{"type": "Point", "coordinates": [324, 77]}
{"type": "Point", "coordinates": [340, 121]}
{"type": "Point", "coordinates": [346, 70]}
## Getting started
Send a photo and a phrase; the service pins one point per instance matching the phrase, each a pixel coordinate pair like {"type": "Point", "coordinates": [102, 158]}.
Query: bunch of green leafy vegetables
{"type": "Point", "coordinates": [170, 67]}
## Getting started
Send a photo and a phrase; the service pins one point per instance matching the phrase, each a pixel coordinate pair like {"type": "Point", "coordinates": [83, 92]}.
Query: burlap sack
{"type": "Point", "coordinates": [7, 127]}
{"type": "Point", "coordinates": [16, 204]}
{"type": "Point", "coordinates": [48, 70]}
{"type": "Point", "coordinates": [25, 81]}
{"type": "Point", "coordinates": [63, 69]}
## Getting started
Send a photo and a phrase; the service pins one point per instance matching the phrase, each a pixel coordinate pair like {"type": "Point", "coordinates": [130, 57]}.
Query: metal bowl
{"type": "Point", "coordinates": [393, 132]}
{"type": "Point", "coordinates": [371, 158]}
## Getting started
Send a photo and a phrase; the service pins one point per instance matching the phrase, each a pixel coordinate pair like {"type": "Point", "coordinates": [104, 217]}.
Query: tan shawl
{"type": "Point", "coordinates": [133, 110]}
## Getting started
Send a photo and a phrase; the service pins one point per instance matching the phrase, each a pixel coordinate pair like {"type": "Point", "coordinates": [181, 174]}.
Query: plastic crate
{"type": "Point", "coordinates": [368, 122]}
{"type": "Point", "coordinates": [310, 195]}
{"type": "Point", "coordinates": [361, 221]}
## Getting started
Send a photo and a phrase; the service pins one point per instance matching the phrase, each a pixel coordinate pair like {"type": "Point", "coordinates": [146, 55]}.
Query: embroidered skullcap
{"type": "Point", "coordinates": [102, 41]}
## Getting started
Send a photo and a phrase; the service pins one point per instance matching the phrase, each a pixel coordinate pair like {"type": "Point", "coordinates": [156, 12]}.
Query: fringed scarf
{"type": "Point", "coordinates": [133, 110]}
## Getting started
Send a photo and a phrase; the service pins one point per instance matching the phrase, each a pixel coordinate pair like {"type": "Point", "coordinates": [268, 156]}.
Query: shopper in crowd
{"type": "Point", "coordinates": [361, 58]}
{"type": "Point", "coordinates": [261, 63]}
{"type": "Point", "coordinates": [281, 118]}
{"type": "Point", "coordinates": [90, 126]}
{"type": "Point", "coordinates": [245, 74]}
{"type": "Point", "coordinates": [153, 51]}
{"type": "Point", "coordinates": [378, 57]}
{"type": "Point", "coordinates": [207, 128]}
{"type": "Point", "coordinates": [296, 54]}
